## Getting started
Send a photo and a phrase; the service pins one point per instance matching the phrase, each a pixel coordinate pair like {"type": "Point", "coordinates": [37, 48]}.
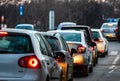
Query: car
{"type": "Point", "coordinates": [27, 56]}
{"type": "Point", "coordinates": [26, 26]}
{"type": "Point", "coordinates": [89, 38]}
{"type": "Point", "coordinates": [101, 41]}
{"type": "Point", "coordinates": [83, 62]}
{"type": "Point", "coordinates": [109, 29]}
{"type": "Point", "coordinates": [59, 44]}
{"type": "Point", "coordinates": [62, 24]}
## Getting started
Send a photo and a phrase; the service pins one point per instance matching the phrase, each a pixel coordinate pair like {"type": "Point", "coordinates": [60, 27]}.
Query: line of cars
{"type": "Point", "coordinates": [47, 56]}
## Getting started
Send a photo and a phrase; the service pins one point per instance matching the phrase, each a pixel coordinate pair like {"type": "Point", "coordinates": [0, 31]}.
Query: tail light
{"type": "Point", "coordinates": [102, 30]}
{"type": "Point", "coordinates": [3, 33]}
{"type": "Point", "coordinates": [99, 40]}
{"type": "Point", "coordinates": [92, 48]}
{"type": "Point", "coordinates": [29, 62]}
{"type": "Point", "coordinates": [116, 30]}
{"type": "Point", "coordinates": [81, 49]}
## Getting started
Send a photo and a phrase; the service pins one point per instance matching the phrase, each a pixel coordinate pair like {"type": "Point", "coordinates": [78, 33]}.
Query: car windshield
{"type": "Point", "coordinates": [110, 25]}
{"type": "Point", "coordinates": [15, 44]}
{"type": "Point", "coordinates": [76, 37]}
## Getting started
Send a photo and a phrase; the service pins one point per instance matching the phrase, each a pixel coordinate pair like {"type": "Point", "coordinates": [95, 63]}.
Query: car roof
{"type": "Point", "coordinates": [19, 30]}
{"type": "Point", "coordinates": [24, 25]}
{"type": "Point", "coordinates": [95, 29]}
{"type": "Point", "coordinates": [67, 31]}
{"type": "Point", "coordinates": [62, 24]}
{"type": "Point", "coordinates": [109, 23]}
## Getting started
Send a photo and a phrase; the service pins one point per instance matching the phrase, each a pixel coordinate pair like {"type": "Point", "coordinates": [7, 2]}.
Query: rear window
{"type": "Point", "coordinates": [25, 27]}
{"type": "Point", "coordinates": [110, 25]}
{"type": "Point", "coordinates": [95, 34]}
{"type": "Point", "coordinates": [54, 42]}
{"type": "Point", "coordinates": [76, 37]}
{"type": "Point", "coordinates": [15, 44]}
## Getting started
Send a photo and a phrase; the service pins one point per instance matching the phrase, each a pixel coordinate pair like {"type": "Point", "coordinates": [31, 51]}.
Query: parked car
{"type": "Point", "coordinates": [89, 38]}
{"type": "Point", "coordinates": [26, 26]}
{"type": "Point", "coordinates": [109, 29]}
{"type": "Point", "coordinates": [101, 41]}
{"type": "Point", "coordinates": [26, 56]}
{"type": "Point", "coordinates": [59, 44]}
{"type": "Point", "coordinates": [62, 24]}
{"type": "Point", "coordinates": [83, 62]}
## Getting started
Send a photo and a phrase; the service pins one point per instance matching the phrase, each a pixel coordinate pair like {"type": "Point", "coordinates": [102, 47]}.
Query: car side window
{"type": "Point", "coordinates": [67, 48]}
{"type": "Point", "coordinates": [42, 45]}
{"type": "Point", "coordinates": [64, 44]}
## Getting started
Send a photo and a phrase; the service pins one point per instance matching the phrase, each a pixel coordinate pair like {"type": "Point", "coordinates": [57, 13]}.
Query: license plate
{"type": "Point", "coordinates": [109, 35]}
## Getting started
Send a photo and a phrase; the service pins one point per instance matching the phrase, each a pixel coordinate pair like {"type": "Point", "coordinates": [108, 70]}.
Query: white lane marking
{"type": "Point", "coordinates": [111, 67]}
{"type": "Point", "coordinates": [113, 53]}
{"type": "Point", "coordinates": [112, 70]}
{"type": "Point", "coordinates": [116, 59]}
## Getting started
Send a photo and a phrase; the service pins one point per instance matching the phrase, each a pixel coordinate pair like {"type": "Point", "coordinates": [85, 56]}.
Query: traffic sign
{"type": "Point", "coordinates": [21, 10]}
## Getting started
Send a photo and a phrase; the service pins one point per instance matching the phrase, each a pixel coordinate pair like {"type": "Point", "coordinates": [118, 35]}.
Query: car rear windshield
{"type": "Point", "coordinates": [95, 34]}
{"type": "Point", "coordinates": [109, 25]}
{"type": "Point", "coordinates": [76, 37]}
{"type": "Point", "coordinates": [54, 42]}
{"type": "Point", "coordinates": [25, 27]}
{"type": "Point", "coordinates": [15, 44]}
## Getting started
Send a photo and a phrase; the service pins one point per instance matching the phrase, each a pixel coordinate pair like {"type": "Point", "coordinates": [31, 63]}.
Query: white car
{"type": "Point", "coordinates": [26, 26]}
{"type": "Point", "coordinates": [109, 29]}
{"type": "Point", "coordinates": [83, 62]}
{"type": "Point", "coordinates": [101, 41]}
{"type": "Point", "coordinates": [62, 24]}
{"type": "Point", "coordinates": [26, 56]}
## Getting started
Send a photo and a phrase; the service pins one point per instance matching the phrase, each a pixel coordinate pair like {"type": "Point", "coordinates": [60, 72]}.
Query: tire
{"type": "Point", "coordinates": [97, 60]}
{"type": "Point", "coordinates": [106, 53]}
{"type": "Point", "coordinates": [91, 68]}
{"type": "Point", "coordinates": [48, 79]}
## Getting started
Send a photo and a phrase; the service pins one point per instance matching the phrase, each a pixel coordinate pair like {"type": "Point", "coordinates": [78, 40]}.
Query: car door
{"type": "Point", "coordinates": [68, 56]}
{"type": "Point", "coordinates": [53, 67]}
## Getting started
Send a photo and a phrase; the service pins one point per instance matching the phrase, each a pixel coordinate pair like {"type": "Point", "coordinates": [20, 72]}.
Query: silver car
{"type": "Point", "coordinates": [26, 56]}
{"type": "Point", "coordinates": [59, 44]}
{"type": "Point", "coordinates": [101, 41]}
{"type": "Point", "coordinates": [83, 57]}
{"type": "Point", "coordinates": [109, 29]}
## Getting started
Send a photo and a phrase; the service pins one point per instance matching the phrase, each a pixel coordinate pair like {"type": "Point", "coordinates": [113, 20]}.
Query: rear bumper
{"type": "Point", "coordinates": [78, 68]}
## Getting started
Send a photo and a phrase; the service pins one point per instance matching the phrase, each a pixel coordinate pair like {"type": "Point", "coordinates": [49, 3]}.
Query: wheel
{"type": "Point", "coordinates": [106, 52]}
{"type": "Point", "coordinates": [91, 68]}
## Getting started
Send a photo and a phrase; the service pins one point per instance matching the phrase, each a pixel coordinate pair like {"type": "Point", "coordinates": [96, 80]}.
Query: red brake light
{"type": "Point", "coordinates": [99, 40]}
{"type": "Point", "coordinates": [116, 29]}
{"type": "Point", "coordinates": [2, 33]}
{"type": "Point", "coordinates": [92, 47]}
{"type": "Point", "coordinates": [102, 30]}
{"type": "Point", "coordinates": [81, 49]}
{"type": "Point", "coordinates": [29, 62]}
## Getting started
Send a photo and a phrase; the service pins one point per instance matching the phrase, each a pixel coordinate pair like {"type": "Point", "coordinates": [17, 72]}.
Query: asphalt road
{"type": "Point", "coordinates": [108, 68]}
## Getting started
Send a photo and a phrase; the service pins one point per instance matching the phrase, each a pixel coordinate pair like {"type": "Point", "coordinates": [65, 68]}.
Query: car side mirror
{"type": "Point", "coordinates": [73, 51]}
{"type": "Point", "coordinates": [60, 56]}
